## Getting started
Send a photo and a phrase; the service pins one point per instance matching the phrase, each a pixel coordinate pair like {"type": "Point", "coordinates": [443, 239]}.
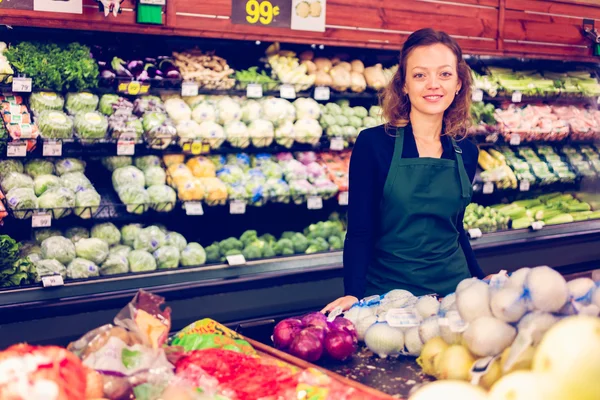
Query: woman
{"type": "Point", "coordinates": [411, 180]}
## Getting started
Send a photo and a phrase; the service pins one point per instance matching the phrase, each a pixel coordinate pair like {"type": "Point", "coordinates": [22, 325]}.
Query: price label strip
{"type": "Point", "coordinates": [237, 207]}
{"type": "Point", "coordinates": [336, 144]}
{"type": "Point", "coordinates": [126, 145]}
{"type": "Point", "coordinates": [41, 220]}
{"type": "Point", "coordinates": [193, 208]}
{"type": "Point", "coordinates": [287, 92]}
{"type": "Point", "coordinates": [322, 93]}
{"type": "Point", "coordinates": [16, 149]}
{"type": "Point", "coordinates": [133, 88]}
{"type": "Point", "coordinates": [315, 203]}
{"type": "Point", "coordinates": [515, 139]}
{"type": "Point", "coordinates": [262, 12]}
{"type": "Point", "coordinates": [517, 97]}
{"type": "Point", "coordinates": [236, 259]}
{"type": "Point", "coordinates": [22, 85]}
{"type": "Point", "coordinates": [52, 281]}
{"type": "Point", "coordinates": [343, 199]}
{"type": "Point", "coordinates": [488, 188]}
{"type": "Point", "coordinates": [189, 89]}
{"type": "Point", "coordinates": [402, 317]}
{"type": "Point", "coordinates": [254, 91]}
{"type": "Point", "coordinates": [524, 185]}
{"type": "Point", "coordinates": [475, 233]}
{"type": "Point", "coordinates": [52, 148]}
{"type": "Point", "coordinates": [477, 95]}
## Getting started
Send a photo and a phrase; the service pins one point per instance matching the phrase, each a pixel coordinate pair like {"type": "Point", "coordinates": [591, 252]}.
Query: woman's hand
{"type": "Point", "coordinates": [343, 302]}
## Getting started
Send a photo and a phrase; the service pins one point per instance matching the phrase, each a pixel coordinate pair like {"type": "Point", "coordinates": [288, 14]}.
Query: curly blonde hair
{"type": "Point", "coordinates": [395, 103]}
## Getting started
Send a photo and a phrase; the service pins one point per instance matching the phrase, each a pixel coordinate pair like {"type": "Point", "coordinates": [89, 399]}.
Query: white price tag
{"type": "Point", "coordinates": [52, 148]}
{"type": "Point", "coordinates": [41, 220]}
{"type": "Point", "coordinates": [402, 317]}
{"type": "Point", "coordinates": [322, 93]}
{"type": "Point", "coordinates": [254, 91]}
{"type": "Point", "coordinates": [193, 208]}
{"type": "Point", "coordinates": [315, 203]}
{"type": "Point", "coordinates": [524, 185]}
{"type": "Point", "coordinates": [493, 138]}
{"type": "Point", "coordinates": [126, 145]}
{"type": "Point", "coordinates": [237, 259]}
{"type": "Point", "coordinates": [537, 225]}
{"type": "Point", "coordinates": [517, 97]}
{"type": "Point", "coordinates": [515, 139]}
{"type": "Point", "coordinates": [52, 281]}
{"type": "Point", "coordinates": [287, 92]}
{"type": "Point", "coordinates": [336, 144]}
{"type": "Point", "coordinates": [477, 95]}
{"type": "Point", "coordinates": [189, 89]}
{"type": "Point", "coordinates": [334, 314]}
{"type": "Point", "coordinates": [237, 207]}
{"type": "Point", "coordinates": [488, 188]}
{"type": "Point", "coordinates": [154, 2]}
{"type": "Point", "coordinates": [16, 149]}
{"type": "Point", "coordinates": [21, 85]}
{"type": "Point", "coordinates": [475, 233]}
{"type": "Point", "coordinates": [343, 199]}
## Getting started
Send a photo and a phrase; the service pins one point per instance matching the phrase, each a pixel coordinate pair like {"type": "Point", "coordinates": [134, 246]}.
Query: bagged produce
{"type": "Point", "coordinates": [107, 232]}
{"type": "Point", "coordinates": [37, 167]}
{"type": "Point", "coordinates": [91, 125]}
{"type": "Point", "coordinates": [8, 166]}
{"type": "Point", "coordinates": [81, 268]}
{"type": "Point", "coordinates": [81, 102]}
{"type": "Point", "coordinates": [58, 248]}
{"type": "Point", "coordinates": [167, 257]}
{"type": "Point", "coordinates": [115, 264]}
{"type": "Point", "coordinates": [129, 232]}
{"type": "Point", "coordinates": [48, 268]}
{"type": "Point", "coordinates": [135, 198]}
{"type": "Point", "coordinates": [87, 202]}
{"type": "Point", "coordinates": [176, 240]}
{"type": "Point", "coordinates": [155, 176]}
{"type": "Point", "coordinates": [66, 165]}
{"type": "Point", "coordinates": [42, 234]}
{"type": "Point", "coordinates": [141, 261]}
{"type": "Point", "coordinates": [146, 162]}
{"type": "Point", "coordinates": [149, 239]}
{"type": "Point", "coordinates": [211, 133]}
{"type": "Point", "coordinates": [201, 167]}
{"type": "Point", "coordinates": [193, 255]}
{"type": "Point", "coordinates": [16, 180]}
{"type": "Point", "coordinates": [59, 200]}
{"type": "Point", "coordinates": [76, 181]}
{"type": "Point", "coordinates": [121, 250]}
{"type": "Point", "coordinates": [128, 177]}
{"type": "Point", "coordinates": [113, 162]}
{"type": "Point", "coordinates": [162, 198]}
{"type": "Point", "coordinates": [93, 249]}
{"type": "Point", "coordinates": [77, 233]}
{"type": "Point", "coordinates": [41, 101]}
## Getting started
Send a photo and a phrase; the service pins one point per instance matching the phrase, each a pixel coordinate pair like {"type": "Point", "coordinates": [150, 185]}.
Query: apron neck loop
{"type": "Point", "coordinates": [465, 184]}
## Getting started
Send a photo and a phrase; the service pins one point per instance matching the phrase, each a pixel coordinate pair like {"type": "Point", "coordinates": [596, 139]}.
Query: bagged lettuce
{"type": "Point", "coordinates": [162, 198]}
{"type": "Point", "coordinates": [37, 167]}
{"type": "Point", "coordinates": [91, 125]}
{"type": "Point", "coordinates": [59, 200]}
{"type": "Point", "coordinates": [129, 232]}
{"type": "Point", "coordinates": [8, 166]}
{"type": "Point", "coordinates": [58, 248]}
{"type": "Point", "coordinates": [42, 234]}
{"type": "Point", "coordinates": [81, 102]}
{"type": "Point", "coordinates": [167, 257]}
{"type": "Point", "coordinates": [107, 232]}
{"type": "Point", "coordinates": [22, 199]}
{"type": "Point", "coordinates": [93, 249]}
{"type": "Point", "coordinates": [115, 264]}
{"type": "Point", "coordinates": [16, 180]}
{"type": "Point", "coordinates": [81, 268]}
{"type": "Point", "coordinates": [193, 255]}
{"type": "Point", "coordinates": [113, 162]}
{"type": "Point", "coordinates": [141, 261]}
{"type": "Point", "coordinates": [126, 177]}
{"type": "Point", "coordinates": [87, 202]}
{"type": "Point", "coordinates": [77, 233]}
{"type": "Point", "coordinates": [49, 267]}
{"type": "Point", "coordinates": [155, 176]}
{"type": "Point", "coordinates": [44, 182]}
{"type": "Point", "coordinates": [55, 125]}
{"type": "Point", "coordinates": [136, 198]}
{"type": "Point", "coordinates": [108, 103]}
{"type": "Point", "coordinates": [175, 239]}
{"type": "Point", "coordinates": [146, 162]}
{"type": "Point", "coordinates": [149, 239]}
{"type": "Point", "coordinates": [76, 181]}
{"type": "Point", "coordinates": [120, 250]}
{"type": "Point", "coordinates": [41, 101]}
{"type": "Point", "coordinates": [66, 165]}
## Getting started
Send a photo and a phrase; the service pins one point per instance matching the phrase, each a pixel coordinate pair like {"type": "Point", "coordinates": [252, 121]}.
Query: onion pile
{"type": "Point", "coordinates": [312, 337]}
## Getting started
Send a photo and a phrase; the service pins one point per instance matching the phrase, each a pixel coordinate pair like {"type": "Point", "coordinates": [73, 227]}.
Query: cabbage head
{"type": "Point", "coordinates": [129, 233]}
{"type": "Point", "coordinates": [146, 162]}
{"type": "Point", "coordinates": [59, 200]}
{"type": "Point", "coordinates": [41, 183]}
{"type": "Point", "coordinates": [251, 110]}
{"type": "Point", "coordinates": [81, 102]}
{"type": "Point", "coordinates": [175, 239]}
{"type": "Point", "coordinates": [49, 267]}
{"type": "Point", "coordinates": [136, 198]}
{"type": "Point", "coordinates": [150, 239]}
{"type": "Point", "coordinates": [8, 166]}
{"type": "Point", "coordinates": [77, 233]}
{"type": "Point", "coordinates": [204, 111]}
{"type": "Point", "coordinates": [42, 234]}
{"type": "Point", "coordinates": [126, 177]}
{"type": "Point", "coordinates": [115, 264]}
{"type": "Point", "coordinates": [66, 165]}
{"type": "Point", "coordinates": [261, 133]}
{"type": "Point", "coordinates": [141, 261]}
{"type": "Point", "coordinates": [155, 176]}
{"type": "Point", "coordinates": [193, 255]}
{"type": "Point", "coordinates": [80, 268]}
{"type": "Point", "coordinates": [37, 167]}
{"type": "Point", "coordinates": [22, 199]}
{"type": "Point", "coordinates": [58, 248]}
{"type": "Point", "coordinates": [16, 180]}
{"type": "Point", "coordinates": [162, 198]}
{"type": "Point", "coordinates": [93, 249]}
{"type": "Point", "coordinates": [76, 181]}
{"type": "Point", "coordinates": [228, 110]}
{"type": "Point", "coordinates": [274, 110]}
{"type": "Point", "coordinates": [212, 133]}
{"type": "Point", "coordinates": [87, 202]}
{"type": "Point", "coordinates": [237, 134]}
{"type": "Point", "coordinates": [167, 257]}
{"type": "Point", "coordinates": [107, 232]}
{"type": "Point", "coordinates": [113, 162]}
{"type": "Point", "coordinates": [120, 250]}
{"type": "Point", "coordinates": [91, 125]}
{"type": "Point", "coordinates": [307, 108]}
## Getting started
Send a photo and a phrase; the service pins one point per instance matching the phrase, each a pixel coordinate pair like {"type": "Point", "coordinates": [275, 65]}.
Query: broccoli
{"type": "Point", "coordinates": [336, 243]}
{"type": "Point", "coordinates": [283, 246]}
{"type": "Point", "coordinates": [327, 120]}
{"type": "Point", "coordinates": [233, 252]}
{"type": "Point", "coordinates": [230, 244]}
{"type": "Point", "coordinates": [320, 243]}
{"type": "Point", "coordinates": [288, 235]}
{"type": "Point", "coordinates": [248, 237]}
{"type": "Point", "coordinates": [333, 109]}
{"type": "Point", "coordinates": [342, 120]}
{"type": "Point", "coordinates": [360, 112]}
{"type": "Point", "coordinates": [356, 122]}
{"type": "Point", "coordinates": [252, 252]}
{"type": "Point", "coordinates": [347, 111]}
{"type": "Point", "coordinates": [343, 103]}
{"type": "Point", "coordinates": [212, 253]}
{"type": "Point", "coordinates": [312, 249]}
{"type": "Point", "coordinates": [267, 251]}
{"type": "Point", "coordinates": [268, 238]}
{"type": "Point", "coordinates": [300, 243]}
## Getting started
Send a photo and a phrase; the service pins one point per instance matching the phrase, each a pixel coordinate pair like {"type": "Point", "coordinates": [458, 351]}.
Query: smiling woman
{"type": "Point", "coordinates": [410, 179]}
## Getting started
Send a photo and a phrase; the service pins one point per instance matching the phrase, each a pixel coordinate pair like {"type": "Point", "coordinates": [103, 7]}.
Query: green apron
{"type": "Point", "coordinates": [417, 247]}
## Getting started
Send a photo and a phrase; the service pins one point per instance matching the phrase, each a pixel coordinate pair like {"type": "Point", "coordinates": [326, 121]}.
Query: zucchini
{"type": "Point", "coordinates": [581, 216]}
{"type": "Point", "coordinates": [560, 199]}
{"type": "Point", "coordinates": [560, 219]}
{"type": "Point", "coordinates": [528, 203]}
{"type": "Point", "coordinates": [578, 207]}
{"type": "Point", "coordinates": [522, 223]}
{"type": "Point", "coordinates": [545, 197]}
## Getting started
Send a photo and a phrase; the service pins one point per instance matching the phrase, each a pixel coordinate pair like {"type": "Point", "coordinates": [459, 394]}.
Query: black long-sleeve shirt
{"type": "Point", "coordinates": [369, 167]}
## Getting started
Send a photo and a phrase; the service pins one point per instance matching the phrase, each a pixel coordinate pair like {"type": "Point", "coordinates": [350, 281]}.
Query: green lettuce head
{"type": "Point", "coordinates": [81, 268]}
{"type": "Point", "coordinates": [176, 239]}
{"type": "Point", "coordinates": [77, 233]}
{"type": "Point", "coordinates": [150, 239]}
{"type": "Point", "coordinates": [129, 233]}
{"type": "Point", "coordinates": [141, 261]}
{"type": "Point", "coordinates": [93, 249]}
{"type": "Point", "coordinates": [58, 248]}
{"type": "Point", "coordinates": [38, 167]}
{"type": "Point", "coordinates": [115, 264]}
{"type": "Point", "coordinates": [107, 232]}
{"type": "Point", "coordinates": [193, 255]}
{"type": "Point", "coordinates": [167, 257]}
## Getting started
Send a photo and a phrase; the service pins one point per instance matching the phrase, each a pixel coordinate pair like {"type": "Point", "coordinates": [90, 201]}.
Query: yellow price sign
{"type": "Point", "coordinates": [262, 12]}
{"type": "Point", "coordinates": [272, 13]}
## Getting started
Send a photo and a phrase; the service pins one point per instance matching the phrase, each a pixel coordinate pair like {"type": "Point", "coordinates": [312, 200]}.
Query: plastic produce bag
{"type": "Point", "coordinates": [48, 268]}
{"type": "Point", "coordinates": [136, 198]}
{"type": "Point", "coordinates": [93, 249]}
{"type": "Point", "coordinates": [58, 248]}
{"type": "Point", "coordinates": [45, 182]}
{"type": "Point", "coordinates": [129, 232]}
{"type": "Point", "coordinates": [16, 180]}
{"type": "Point", "coordinates": [8, 166]}
{"type": "Point", "coordinates": [91, 125]}
{"type": "Point", "coordinates": [216, 191]}
{"type": "Point", "coordinates": [55, 125]}
{"type": "Point", "coordinates": [87, 202]}
{"type": "Point", "coordinates": [149, 239]}
{"type": "Point", "coordinates": [191, 189]}
{"type": "Point", "coordinates": [162, 198]}
{"type": "Point", "coordinates": [42, 234]}
{"type": "Point", "coordinates": [41, 101]}
{"type": "Point", "coordinates": [107, 232]}
{"type": "Point", "coordinates": [81, 102]}
{"type": "Point", "coordinates": [115, 264]}
{"type": "Point", "coordinates": [127, 177]}
{"type": "Point", "coordinates": [201, 167]}
{"type": "Point", "coordinates": [167, 257]}
{"type": "Point", "coordinates": [66, 165]}
{"type": "Point", "coordinates": [155, 176]}
{"type": "Point", "coordinates": [77, 233]}
{"type": "Point", "coordinates": [113, 162]}
{"type": "Point", "coordinates": [175, 239]}
{"type": "Point", "coordinates": [37, 167]}
{"type": "Point", "coordinates": [81, 268]}
{"type": "Point", "coordinates": [193, 255]}
{"type": "Point", "coordinates": [121, 250]}
{"type": "Point", "coordinates": [141, 261]}
{"type": "Point", "coordinates": [76, 181]}
{"type": "Point", "coordinates": [146, 162]}
{"type": "Point", "coordinates": [59, 200]}
{"type": "Point", "coordinates": [22, 199]}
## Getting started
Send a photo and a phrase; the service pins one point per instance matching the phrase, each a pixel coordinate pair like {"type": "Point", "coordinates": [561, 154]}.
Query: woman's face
{"type": "Point", "coordinates": [431, 79]}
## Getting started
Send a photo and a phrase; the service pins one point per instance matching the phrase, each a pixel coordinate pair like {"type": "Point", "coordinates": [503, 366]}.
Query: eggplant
{"type": "Point", "coordinates": [135, 66]}
{"type": "Point", "coordinates": [102, 64]}
{"type": "Point", "coordinates": [166, 64]}
{"type": "Point", "coordinates": [173, 74]}
{"type": "Point", "coordinates": [142, 75]}
{"type": "Point", "coordinates": [150, 60]}
{"type": "Point", "coordinates": [107, 74]}
{"type": "Point", "coordinates": [151, 70]}
{"type": "Point", "coordinates": [118, 65]}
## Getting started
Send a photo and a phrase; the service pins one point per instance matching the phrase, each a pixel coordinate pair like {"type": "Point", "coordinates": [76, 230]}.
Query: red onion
{"type": "Point", "coordinates": [315, 319]}
{"type": "Point", "coordinates": [343, 324]}
{"type": "Point", "coordinates": [285, 332]}
{"type": "Point", "coordinates": [306, 346]}
{"type": "Point", "coordinates": [340, 345]}
{"type": "Point", "coordinates": [317, 331]}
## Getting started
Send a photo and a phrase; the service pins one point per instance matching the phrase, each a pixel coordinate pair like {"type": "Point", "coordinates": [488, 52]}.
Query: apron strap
{"type": "Point", "coordinates": [465, 184]}
{"type": "Point", "coordinates": [399, 144]}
